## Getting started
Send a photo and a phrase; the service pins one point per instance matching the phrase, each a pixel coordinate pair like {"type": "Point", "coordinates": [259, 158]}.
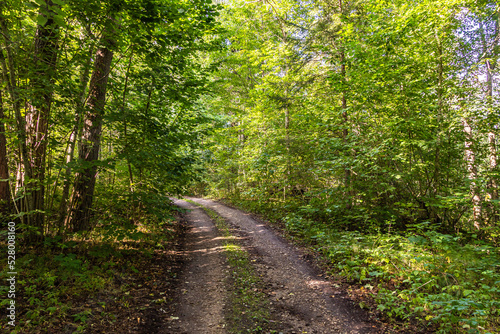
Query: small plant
{"type": "Point", "coordinates": [82, 316]}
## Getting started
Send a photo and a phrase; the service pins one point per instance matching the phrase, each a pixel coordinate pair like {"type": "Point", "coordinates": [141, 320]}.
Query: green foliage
{"type": "Point", "coordinates": [381, 140]}
{"type": "Point", "coordinates": [153, 119]}
{"type": "Point", "coordinates": [59, 276]}
{"type": "Point", "coordinates": [372, 116]}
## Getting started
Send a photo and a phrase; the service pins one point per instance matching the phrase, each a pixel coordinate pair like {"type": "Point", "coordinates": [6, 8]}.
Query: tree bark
{"type": "Point", "coordinates": [5, 198]}
{"type": "Point", "coordinates": [490, 64]}
{"type": "Point", "coordinates": [9, 76]}
{"type": "Point", "coordinates": [126, 144]}
{"type": "Point", "coordinates": [492, 184]}
{"type": "Point", "coordinates": [470, 158]}
{"type": "Point", "coordinates": [38, 112]}
{"type": "Point", "coordinates": [490, 67]}
{"type": "Point", "coordinates": [83, 189]}
{"type": "Point", "coordinates": [80, 104]}
{"type": "Point", "coordinates": [345, 118]}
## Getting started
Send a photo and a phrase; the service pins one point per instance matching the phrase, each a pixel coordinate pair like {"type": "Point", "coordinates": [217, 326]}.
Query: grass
{"type": "Point", "coordinates": [249, 309]}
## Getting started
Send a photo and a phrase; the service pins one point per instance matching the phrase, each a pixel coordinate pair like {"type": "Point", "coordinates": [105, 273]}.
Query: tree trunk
{"type": "Point", "coordinates": [80, 104]}
{"type": "Point", "coordinates": [83, 189]}
{"type": "Point", "coordinates": [146, 111]}
{"type": "Point", "coordinates": [38, 113]}
{"type": "Point", "coordinates": [470, 158]}
{"type": "Point", "coordinates": [490, 65]}
{"type": "Point", "coordinates": [345, 133]}
{"type": "Point", "coordinates": [345, 116]}
{"type": "Point", "coordinates": [9, 76]}
{"type": "Point", "coordinates": [126, 144]}
{"type": "Point", "coordinates": [492, 184]}
{"type": "Point", "coordinates": [5, 198]}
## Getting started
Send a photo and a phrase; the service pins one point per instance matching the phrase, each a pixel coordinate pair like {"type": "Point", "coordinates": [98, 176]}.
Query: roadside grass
{"type": "Point", "coordinates": [448, 284]}
{"type": "Point", "coordinates": [68, 285]}
{"type": "Point", "coordinates": [249, 309]}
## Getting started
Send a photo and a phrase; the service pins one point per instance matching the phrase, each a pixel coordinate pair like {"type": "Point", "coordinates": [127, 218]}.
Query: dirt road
{"type": "Point", "coordinates": [202, 284]}
{"type": "Point", "coordinates": [301, 301]}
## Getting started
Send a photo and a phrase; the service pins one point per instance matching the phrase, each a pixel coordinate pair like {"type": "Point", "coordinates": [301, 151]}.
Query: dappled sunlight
{"type": "Point", "coordinates": [230, 237]}
{"type": "Point", "coordinates": [208, 251]}
{"type": "Point", "coordinates": [316, 284]}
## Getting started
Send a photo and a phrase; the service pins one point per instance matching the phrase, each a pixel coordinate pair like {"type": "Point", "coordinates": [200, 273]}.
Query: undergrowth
{"type": "Point", "coordinates": [451, 283]}
{"type": "Point", "coordinates": [58, 280]}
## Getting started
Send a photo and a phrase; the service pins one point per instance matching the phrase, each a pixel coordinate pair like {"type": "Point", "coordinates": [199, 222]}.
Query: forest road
{"type": "Point", "coordinates": [301, 300]}
{"type": "Point", "coordinates": [202, 283]}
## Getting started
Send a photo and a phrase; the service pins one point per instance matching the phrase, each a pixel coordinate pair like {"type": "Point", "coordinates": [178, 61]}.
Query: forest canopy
{"type": "Point", "coordinates": [365, 128]}
{"type": "Point", "coordinates": [379, 113]}
{"type": "Point", "coordinates": [98, 97]}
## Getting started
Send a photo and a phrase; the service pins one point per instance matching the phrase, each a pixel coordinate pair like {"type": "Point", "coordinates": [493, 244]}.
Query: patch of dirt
{"type": "Point", "coordinates": [185, 289]}
{"type": "Point", "coordinates": [350, 292]}
{"type": "Point", "coordinates": [298, 296]}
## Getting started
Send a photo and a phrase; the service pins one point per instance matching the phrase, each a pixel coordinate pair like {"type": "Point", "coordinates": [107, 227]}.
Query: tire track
{"type": "Point", "coordinates": [202, 288]}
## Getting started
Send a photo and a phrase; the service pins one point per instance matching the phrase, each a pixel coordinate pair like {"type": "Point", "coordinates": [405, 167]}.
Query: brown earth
{"type": "Point", "coordinates": [202, 284]}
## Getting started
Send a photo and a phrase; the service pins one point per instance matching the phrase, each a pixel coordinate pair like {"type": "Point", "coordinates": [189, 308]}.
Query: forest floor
{"type": "Point", "coordinates": [297, 295]}
{"type": "Point", "coordinates": [230, 272]}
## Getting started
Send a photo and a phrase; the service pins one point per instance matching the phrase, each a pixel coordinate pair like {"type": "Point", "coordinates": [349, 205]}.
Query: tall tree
{"type": "Point", "coordinates": [83, 190]}
{"type": "Point", "coordinates": [5, 197]}
{"type": "Point", "coordinates": [38, 111]}
{"type": "Point", "coordinates": [8, 64]}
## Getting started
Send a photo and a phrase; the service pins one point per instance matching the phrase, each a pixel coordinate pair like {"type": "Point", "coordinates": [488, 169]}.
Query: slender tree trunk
{"type": "Point", "coordinates": [493, 187]}
{"type": "Point", "coordinates": [345, 131]}
{"type": "Point", "coordinates": [5, 198]}
{"type": "Point", "coordinates": [439, 116]}
{"type": "Point", "coordinates": [126, 145]}
{"type": "Point", "coordinates": [345, 116]}
{"type": "Point", "coordinates": [492, 184]}
{"type": "Point", "coordinates": [470, 158]}
{"type": "Point", "coordinates": [490, 65]}
{"type": "Point", "coordinates": [9, 75]}
{"type": "Point", "coordinates": [146, 111]}
{"type": "Point", "coordinates": [38, 112]}
{"type": "Point", "coordinates": [287, 144]}
{"type": "Point", "coordinates": [241, 147]}
{"type": "Point", "coordinates": [83, 189]}
{"type": "Point", "coordinates": [80, 104]}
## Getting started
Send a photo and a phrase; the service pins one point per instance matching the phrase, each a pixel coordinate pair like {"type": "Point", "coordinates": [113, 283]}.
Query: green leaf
{"type": "Point", "coordinates": [41, 20]}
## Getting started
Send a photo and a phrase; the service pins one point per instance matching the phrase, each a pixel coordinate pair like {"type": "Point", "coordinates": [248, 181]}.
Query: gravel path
{"type": "Point", "coordinates": [304, 302]}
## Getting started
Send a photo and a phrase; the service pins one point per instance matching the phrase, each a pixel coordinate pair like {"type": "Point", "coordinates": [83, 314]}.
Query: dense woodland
{"type": "Point", "coordinates": [98, 90]}
{"type": "Point", "coordinates": [368, 129]}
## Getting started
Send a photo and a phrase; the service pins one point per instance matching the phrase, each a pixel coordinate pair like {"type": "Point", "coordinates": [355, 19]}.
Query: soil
{"type": "Point", "coordinates": [140, 301]}
{"type": "Point", "coordinates": [202, 284]}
